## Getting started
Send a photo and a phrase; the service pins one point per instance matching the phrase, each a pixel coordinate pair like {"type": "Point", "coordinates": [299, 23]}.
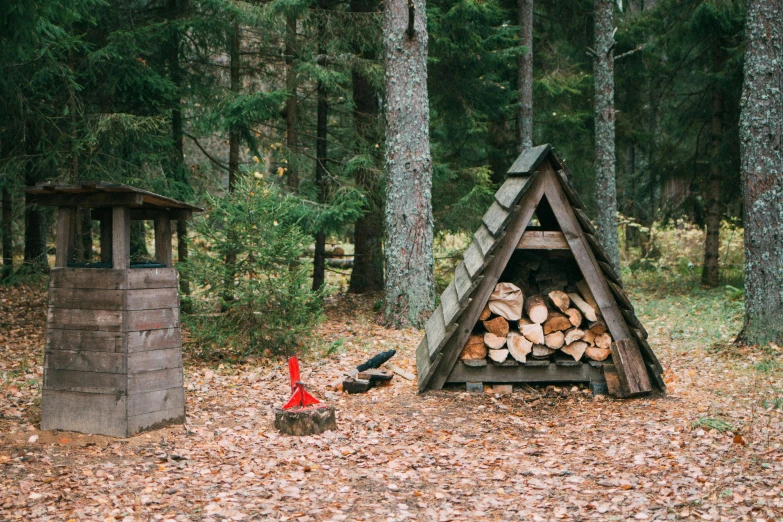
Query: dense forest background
{"type": "Point", "coordinates": [188, 98]}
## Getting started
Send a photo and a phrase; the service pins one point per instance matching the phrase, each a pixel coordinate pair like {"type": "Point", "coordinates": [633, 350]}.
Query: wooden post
{"type": "Point", "coordinates": [163, 254]}
{"type": "Point", "coordinates": [66, 232]}
{"type": "Point", "coordinates": [120, 237]}
{"type": "Point", "coordinates": [106, 232]}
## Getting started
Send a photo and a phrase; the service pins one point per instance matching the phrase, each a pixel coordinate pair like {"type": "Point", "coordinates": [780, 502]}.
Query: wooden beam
{"type": "Point", "coordinates": [592, 273]}
{"type": "Point", "coordinates": [163, 252]}
{"type": "Point", "coordinates": [543, 240]}
{"type": "Point", "coordinates": [101, 199]}
{"type": "Point", "coordinates": [120, 240]}
{"type": "Point", "coordinates": [66, 235]}
{"type": "Point", "coordinates": [522, 373]}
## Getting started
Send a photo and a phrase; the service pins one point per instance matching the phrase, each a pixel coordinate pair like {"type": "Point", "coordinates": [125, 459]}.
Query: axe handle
{"type": "Point", "coordinates": [376, 361]}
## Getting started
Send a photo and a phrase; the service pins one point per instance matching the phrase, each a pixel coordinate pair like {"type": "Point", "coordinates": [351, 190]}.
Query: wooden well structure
{"type": "Point", "coordinates": [537, 220]}
{"type": "Point", "coordinates": [113, 359]}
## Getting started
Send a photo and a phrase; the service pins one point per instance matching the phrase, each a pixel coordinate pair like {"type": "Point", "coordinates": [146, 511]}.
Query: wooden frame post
{"type": "Point", "coordinates": [66, 235]}
{"type": "Point", "coordinates": [163, 253]}
{"type": "Point", "coordinates": [120, 240]}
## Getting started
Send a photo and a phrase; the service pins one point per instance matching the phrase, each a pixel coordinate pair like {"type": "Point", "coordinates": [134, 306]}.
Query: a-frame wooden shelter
{"type": "Point", "coordinates": [538, 184]}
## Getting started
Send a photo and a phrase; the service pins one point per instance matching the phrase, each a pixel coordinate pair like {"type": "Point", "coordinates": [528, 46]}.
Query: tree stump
{"type": "Point", "coordinates": [305, 421]}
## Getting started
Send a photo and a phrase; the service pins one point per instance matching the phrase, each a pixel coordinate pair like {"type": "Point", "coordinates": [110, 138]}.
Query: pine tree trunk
{"type": "Point", "coordinates": [525, 117]}
{"type": "Point", "coordinates": [410, 294]}
{"type": "Point", "coordinates": [367, 272]}
{"type": "Point", "coordinates": [321, 177]}
{"type": "Point", "coordinates": [606, 187]}
{"type": "Point", "coordinates": [34, 219]}
{"type": "Point", "coordinates": [761, 138]}
{"type": "Point", "coordinates": [235, 85]}
{"type": "Point", "coordinates": [290, 104]}
{"type": "Point", "coordinates": [7, 223]}
{"type": "Point", "coordinates": [176, 9]}
{"type": "Point", "coordinates": [709, 275]}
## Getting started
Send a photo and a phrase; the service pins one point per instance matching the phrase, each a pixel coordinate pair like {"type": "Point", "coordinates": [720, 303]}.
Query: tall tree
{"type": "Point", "coordinates": [410, 289]}
{"type": "Point", "coordinates": [605, 182]}
{"type": "Point", "coordinates": [321, 175]}
{"type": "Point", "coordinates": [367, 273]}
{"type": "Point", "coordinates": [761, 134]}
{"type": "Point", "coordinates": [709, 274]}
{"type": "Point", "coordinates": [291, 101]}
{"type": "Point", "coordinates": [525, 117]}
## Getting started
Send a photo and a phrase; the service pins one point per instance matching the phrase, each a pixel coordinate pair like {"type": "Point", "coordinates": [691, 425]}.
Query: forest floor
{"type": "Point", "coordinates": [711, 449]}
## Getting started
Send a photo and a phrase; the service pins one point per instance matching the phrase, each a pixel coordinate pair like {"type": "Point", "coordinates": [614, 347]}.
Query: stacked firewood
{"type": "Point", "coordinates": [519, 323]}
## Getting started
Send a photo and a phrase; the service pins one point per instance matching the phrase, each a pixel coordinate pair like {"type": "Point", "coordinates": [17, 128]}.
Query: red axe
{"type": "Point", "coordinates": [300, 397]}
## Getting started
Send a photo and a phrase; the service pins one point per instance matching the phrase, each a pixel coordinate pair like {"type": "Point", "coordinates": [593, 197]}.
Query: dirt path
{"type": "Point", "coordinates": [539, 454]}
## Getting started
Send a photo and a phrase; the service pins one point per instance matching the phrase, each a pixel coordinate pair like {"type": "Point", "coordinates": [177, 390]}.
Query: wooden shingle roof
{"type": "Point", "coordinates": [102, 194]}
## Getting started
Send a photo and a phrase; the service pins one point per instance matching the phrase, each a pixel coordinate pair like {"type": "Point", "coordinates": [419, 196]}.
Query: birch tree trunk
{"type": "Point", "coordinates": [761, 141]}
{"type": "Point", "coordinates": [525, 117]}
{"type": "Point", "coordinates": [606, 187]}
{"type": "Point", "coordinates": [409, 292]}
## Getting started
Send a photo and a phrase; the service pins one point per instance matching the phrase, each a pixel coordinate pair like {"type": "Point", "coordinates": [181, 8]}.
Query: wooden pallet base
{"type": "Point", "coordinates": [551, 373]}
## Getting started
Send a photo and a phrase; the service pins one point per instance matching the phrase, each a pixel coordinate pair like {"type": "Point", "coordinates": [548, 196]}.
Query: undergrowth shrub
{"type": "Point", "coordinates": [263, 303]}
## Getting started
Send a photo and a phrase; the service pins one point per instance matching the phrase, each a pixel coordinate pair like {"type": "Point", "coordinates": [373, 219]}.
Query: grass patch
{"type": "Point", "coordinates": [712, 423]}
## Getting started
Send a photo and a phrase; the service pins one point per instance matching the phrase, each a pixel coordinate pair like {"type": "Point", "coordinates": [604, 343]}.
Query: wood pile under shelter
{"type": "Point", "coordinates": [536, 299]}
{"type": "Point", "coordinates": [113, 359]}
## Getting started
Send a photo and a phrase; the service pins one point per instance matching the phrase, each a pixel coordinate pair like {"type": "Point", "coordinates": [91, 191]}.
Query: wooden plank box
{"type": "Point", "coordinates": [113, 359]}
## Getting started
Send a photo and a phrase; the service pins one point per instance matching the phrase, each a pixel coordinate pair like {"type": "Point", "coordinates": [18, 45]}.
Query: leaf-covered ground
{"type": "Point", "coordinates": [712, 449]}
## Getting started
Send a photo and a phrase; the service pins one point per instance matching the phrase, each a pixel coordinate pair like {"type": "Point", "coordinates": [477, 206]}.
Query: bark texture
{"type": "Point", "coordinates": [525, 117]}
{"type": "Point", "coordinates": [606, 187]}
{"type": "Point", "coordinates": [410, 292]}
{"type": "Point", "coordinates": [367, 272]}
{"type": "Point", "coordinates": [761, 139]}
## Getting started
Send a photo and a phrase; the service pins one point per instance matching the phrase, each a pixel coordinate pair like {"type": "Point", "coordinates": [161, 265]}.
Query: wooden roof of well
{"type": "Point", "coordinates": [515, 201]}
{"type": "Point", "coordinates": [101, 194]}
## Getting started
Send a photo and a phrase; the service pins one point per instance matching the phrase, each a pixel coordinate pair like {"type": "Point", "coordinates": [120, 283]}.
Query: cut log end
{"type": "Point", "coordinates": [308, 421]}
{"type": "Point", "coordinates": [536, 309]}
{"type": "Point", "coordinates": [557, 322]}
{"type": "Point", "coordinates": [573, 334]}
{"type": "Point", "coordinates": [498, 355]}
{"type": "Point", "coordinates": [497, 326]}
{"type": "Point", "coordinates": [603, 340]}
{"type": "Point", "coordinates": [518, 346]}
{"type": "Point", "coordinates": [541, 352]}
{"type": "Point", "coordinates": [485, 313]}
{"type": "Point", "coordinates": [597, 354]}
{"type": "Point", "coordinates": [533, 332]}
{"type": "Point", "coordinates": [474, 348]}
{"type": "Point", "coordinates": [494, 342]}
{"type": "Point", "coordinates": [560, 300]}
{"type": "Point", "coordinates": [575, 316]}
{"type": "Point", "coordinates": [555, 340]}
{"type": "Point", "coordinates": [576, 349]}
